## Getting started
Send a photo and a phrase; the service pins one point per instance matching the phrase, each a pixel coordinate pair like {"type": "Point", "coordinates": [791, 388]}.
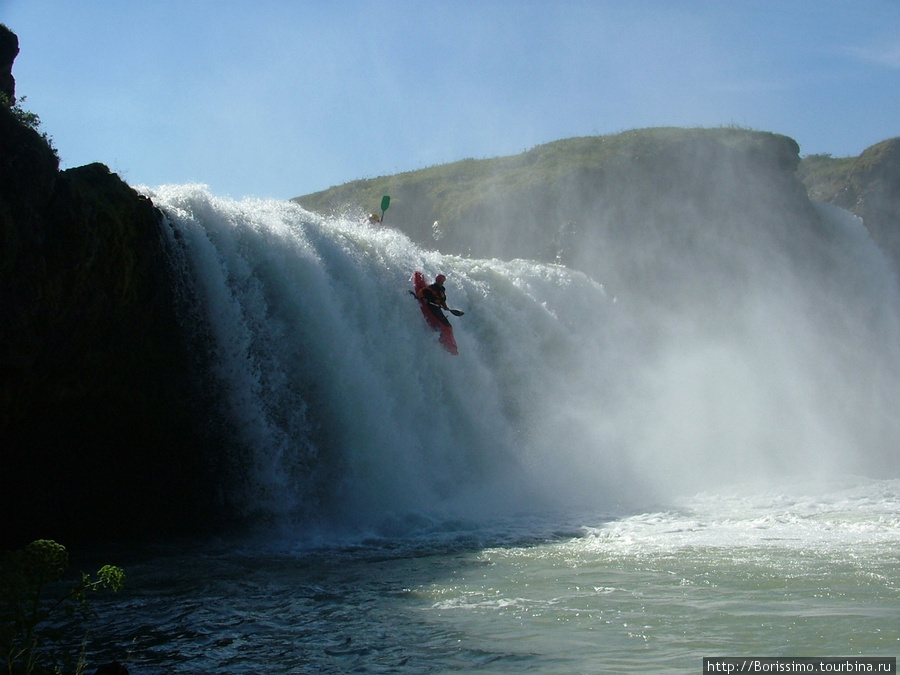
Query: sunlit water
{"type": "Point", "coordinates": [790, 572]}
{"type": "Point", "coordinates": [521, 506]}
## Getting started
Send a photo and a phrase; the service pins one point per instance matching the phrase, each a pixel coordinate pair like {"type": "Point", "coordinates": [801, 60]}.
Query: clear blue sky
{"type": "Point", "coordinates": [279, 98]}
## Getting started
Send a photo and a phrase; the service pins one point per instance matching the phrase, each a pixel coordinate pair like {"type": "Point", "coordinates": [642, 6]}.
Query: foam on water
{"type": "Point", "coordinates": [795, 516]}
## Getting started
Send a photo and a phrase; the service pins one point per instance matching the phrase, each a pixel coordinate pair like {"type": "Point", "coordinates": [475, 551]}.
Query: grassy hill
{"type": "Point", "coordinates": [526, 205]}
{"type": "Point", "coordinates": [580, 200]}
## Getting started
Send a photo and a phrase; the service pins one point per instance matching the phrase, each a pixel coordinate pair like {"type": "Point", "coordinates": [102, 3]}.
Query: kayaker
{"type": "Point", "coordinates": [436, 297]}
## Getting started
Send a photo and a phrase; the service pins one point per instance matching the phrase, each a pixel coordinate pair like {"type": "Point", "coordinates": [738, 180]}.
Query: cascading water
{"type": "Point", "coordinates": [350, 410]}
{"type": "Point", "coordinates": [334, 382]}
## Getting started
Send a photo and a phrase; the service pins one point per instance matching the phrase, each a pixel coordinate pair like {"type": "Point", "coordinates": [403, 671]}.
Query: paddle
{"type": "Point", "coordinates": [385, 204]}
{"type": "Point", "coordinates": [454, 312]}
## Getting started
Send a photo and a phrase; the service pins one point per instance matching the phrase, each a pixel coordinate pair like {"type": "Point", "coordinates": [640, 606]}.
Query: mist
{"type": "Point", "coordinates": [749, 350]}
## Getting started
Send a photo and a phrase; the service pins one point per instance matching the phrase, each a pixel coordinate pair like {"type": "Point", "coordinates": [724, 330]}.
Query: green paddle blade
{"type": "Point", "coordinates": [385, 203]}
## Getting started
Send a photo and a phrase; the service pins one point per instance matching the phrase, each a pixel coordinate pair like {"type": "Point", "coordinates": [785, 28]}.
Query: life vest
{"type": "Point", "coordinates": [435, 293]}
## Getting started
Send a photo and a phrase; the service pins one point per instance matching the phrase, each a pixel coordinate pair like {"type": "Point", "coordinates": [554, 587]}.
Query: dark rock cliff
{"type": "Point", "coordinates": [9, 49]}
{"type": "Point", "coordinates": [98, 407]}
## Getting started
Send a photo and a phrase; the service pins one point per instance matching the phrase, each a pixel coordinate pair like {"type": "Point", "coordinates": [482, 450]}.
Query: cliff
{"type": "Point", "coordinates": [97, 399]}
{"type": "Point", "coordinates": [9, 50]}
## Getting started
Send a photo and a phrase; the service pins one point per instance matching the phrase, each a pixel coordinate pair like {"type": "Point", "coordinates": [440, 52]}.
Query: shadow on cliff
{"type": "Point", "coordinates": [105, 433]}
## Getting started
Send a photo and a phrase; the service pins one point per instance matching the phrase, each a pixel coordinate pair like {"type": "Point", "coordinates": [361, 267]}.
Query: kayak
{"type": "Point", "coordinates": [434, 316]}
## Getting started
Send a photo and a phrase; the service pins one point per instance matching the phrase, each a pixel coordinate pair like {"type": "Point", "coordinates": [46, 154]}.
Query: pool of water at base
{"type": "Point", "coordinates": [770, 573]}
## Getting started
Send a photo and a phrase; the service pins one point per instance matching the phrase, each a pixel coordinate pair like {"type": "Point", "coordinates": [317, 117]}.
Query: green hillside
{"type": "Point", "coordinates": [522, 205]}
{"type": "Point", "coordinates": [538, 192]}
{"type": "Point", "coordinates": [456, 186]}
{"type": "Point", "coordinates": [578, 199]}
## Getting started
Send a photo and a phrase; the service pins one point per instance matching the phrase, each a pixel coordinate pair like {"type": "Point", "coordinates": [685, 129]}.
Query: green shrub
{"type": "Point", "coordinates": [26, 605]}
{"type": "Point", "coordinates": [26, 117]}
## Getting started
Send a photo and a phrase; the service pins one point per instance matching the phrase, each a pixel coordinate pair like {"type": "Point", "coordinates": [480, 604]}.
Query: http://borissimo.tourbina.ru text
{"type": "Point", "coordinates": [804, 664]}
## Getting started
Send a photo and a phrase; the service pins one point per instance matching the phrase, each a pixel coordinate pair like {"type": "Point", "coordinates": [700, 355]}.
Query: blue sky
{"type": "Point", "coordinates": [277, 99]}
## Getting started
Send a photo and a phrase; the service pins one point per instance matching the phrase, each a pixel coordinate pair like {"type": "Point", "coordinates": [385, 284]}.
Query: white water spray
{"type": "Point", "coordinates": [349, 408]}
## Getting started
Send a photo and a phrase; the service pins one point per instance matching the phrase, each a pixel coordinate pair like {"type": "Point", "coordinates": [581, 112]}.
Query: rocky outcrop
{"type": "Point", "coordinates": [875, 182]}
{"type": "Point", "coordinates": [867, 186]}
{"type": "Point", "coordinates": [98, 403]}
{"type": "Point", "coordinates": [9, 49]}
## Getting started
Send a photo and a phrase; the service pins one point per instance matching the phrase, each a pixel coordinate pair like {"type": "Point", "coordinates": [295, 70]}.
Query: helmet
{"type": "Point", "coordinates": [440, 278]}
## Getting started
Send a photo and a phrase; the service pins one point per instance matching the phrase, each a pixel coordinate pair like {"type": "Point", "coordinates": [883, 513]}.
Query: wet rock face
{"type": "Point", "coordinates": [98, 403]}
{"type": "Point", "coordinates": [98, 406]}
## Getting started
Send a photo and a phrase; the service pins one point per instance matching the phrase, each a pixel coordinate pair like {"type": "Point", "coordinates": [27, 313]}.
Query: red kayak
{"type": "Point", "coordinates": [434, 316]}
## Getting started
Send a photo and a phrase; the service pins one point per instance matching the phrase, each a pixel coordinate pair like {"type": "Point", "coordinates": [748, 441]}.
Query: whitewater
{"type": "Point", "coordinates": [588, 486]}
